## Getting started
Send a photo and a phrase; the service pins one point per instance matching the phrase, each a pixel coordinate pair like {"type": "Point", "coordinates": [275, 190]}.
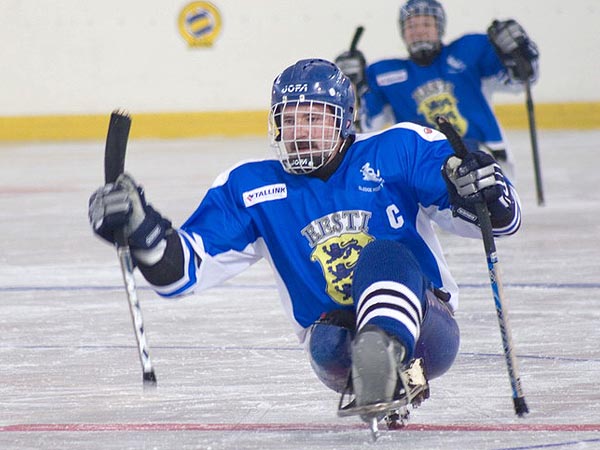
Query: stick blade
{"type": "Point", "coordinates": [520, 406]}
{"type": "Point", "coordinates": [149, 380]}
{"type": "Point", "coordinates": [116, 145]}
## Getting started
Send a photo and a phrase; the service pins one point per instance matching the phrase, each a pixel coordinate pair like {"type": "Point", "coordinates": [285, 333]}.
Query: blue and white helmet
{"type": "Point", "coordinates": [305, 142]}
{"type": "Point", "coordinates": [424, 52]}
{"type": "Point", "coordinates": [424, 8]}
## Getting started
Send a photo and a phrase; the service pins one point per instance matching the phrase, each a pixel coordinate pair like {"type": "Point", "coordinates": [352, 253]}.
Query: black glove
{"type": "Point", "coordinates": [517, 52]}
{"type": "Point", "coordinates": [353, 64]}
{"type": "Point", "coordinates": [474, 179]}
{"type": "Point", "coordinates": [122, 206]}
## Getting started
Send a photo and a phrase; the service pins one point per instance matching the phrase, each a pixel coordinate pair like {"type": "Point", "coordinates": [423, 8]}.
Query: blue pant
{"type": "Point", "coordinates": [389, 291]}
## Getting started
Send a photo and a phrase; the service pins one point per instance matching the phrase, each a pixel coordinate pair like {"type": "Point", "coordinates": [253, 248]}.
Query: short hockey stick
{"type": "Point", "coordinates": [114, 165]}
{"type": "Point", "coordinates": [534, 145]}
{"type": "Point", "coordinates": [485, 224]}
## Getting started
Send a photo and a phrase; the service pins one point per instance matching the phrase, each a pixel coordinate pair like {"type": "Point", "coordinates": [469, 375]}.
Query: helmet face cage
{"type": "Point", "coordinates": [310, 92]}
{"type": "Point", "coordinates": [304, 134]}
{"type": "Point", "coordinates": [423, 8]}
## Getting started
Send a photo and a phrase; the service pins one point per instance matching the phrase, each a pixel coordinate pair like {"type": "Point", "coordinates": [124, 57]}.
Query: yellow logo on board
{"type": "Point", "coordinates": [200, 24]}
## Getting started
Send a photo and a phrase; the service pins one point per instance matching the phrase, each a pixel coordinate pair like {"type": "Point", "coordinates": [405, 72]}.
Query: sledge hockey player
{"type": "Point", "coordinates": [454, 80]}
{"type": "Point", "coordinates": [345, 220]}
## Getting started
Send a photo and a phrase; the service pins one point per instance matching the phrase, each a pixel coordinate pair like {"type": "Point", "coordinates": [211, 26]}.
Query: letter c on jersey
{"type": "Point", "coordinates": [394, 217]}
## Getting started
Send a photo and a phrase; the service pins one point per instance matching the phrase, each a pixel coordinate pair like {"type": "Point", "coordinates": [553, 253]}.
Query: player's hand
{"type": "Point", "coordinates": [475, 179]}
{"type": "Point", "coordinates": [514, 47]}
{"type": "Point", "coordinates": [353, 64]}
{"type": "Point", "coordinates": [122, 206]}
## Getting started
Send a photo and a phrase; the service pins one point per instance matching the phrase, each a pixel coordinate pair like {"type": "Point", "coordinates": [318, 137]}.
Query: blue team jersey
{"type": "Point", "coordinates": [457, 84]}
{"type": "Point", "coordinates": [388, 186]}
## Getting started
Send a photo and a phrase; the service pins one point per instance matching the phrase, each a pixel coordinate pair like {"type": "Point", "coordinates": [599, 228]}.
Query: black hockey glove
{"type": "Point", "coordinates": [353, 64]}
{"type": "Point", "coordinates": [474, 179]}
{"type": "Point", "coordinates": [518, 53]}
{"type": "Point", "coordinates": [122, 206]}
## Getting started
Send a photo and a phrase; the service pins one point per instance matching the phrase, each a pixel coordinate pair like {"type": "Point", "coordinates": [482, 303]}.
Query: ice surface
{"type": "Point", "coordinates": [230, 372]}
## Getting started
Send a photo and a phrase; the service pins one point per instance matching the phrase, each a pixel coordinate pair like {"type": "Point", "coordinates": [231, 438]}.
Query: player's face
{"type": "Point", "coordinates": [308, 134]}
{"type": "Point", "coordinates": [420, 29]}
{"type": "Point", "coordinates": [308, 127]}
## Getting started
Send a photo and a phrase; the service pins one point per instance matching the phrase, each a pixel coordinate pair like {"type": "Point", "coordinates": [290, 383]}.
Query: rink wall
{"type": "Point", "coordinates": [187, 69]}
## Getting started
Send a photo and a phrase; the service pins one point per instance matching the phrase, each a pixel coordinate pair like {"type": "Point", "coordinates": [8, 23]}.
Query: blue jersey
{"type": "Point", "coordinates": [388, 186]}
{"type": "Point", "coordinates": [457, 84]}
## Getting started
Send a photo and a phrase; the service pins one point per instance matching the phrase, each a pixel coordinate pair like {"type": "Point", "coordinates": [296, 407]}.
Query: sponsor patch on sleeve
{"type": "Point", "coordinates": [397, 76]}
{"type": "Point", "coordinates": [265, 194]}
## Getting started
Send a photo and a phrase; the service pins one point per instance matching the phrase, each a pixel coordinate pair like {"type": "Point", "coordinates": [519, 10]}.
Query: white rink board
{"type": "Point", "coordinates": [74, 57]}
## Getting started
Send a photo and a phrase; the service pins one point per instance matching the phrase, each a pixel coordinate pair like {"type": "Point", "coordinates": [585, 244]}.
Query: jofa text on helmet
{"type": "Point", "coordinates": [295, 88]}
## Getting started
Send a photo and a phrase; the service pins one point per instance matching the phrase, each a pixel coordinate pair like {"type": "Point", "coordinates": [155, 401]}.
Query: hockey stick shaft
{"type": "Point", "coordinates": [487, 234]}
{"type": "Point", "coordinates": [353, 44]}
{"type": "Point", "coordinates": [114, 165]}
{"type": "Point", "coordinates": [534, 144]}
{"type": "Point", "coordinates": [357, 35]}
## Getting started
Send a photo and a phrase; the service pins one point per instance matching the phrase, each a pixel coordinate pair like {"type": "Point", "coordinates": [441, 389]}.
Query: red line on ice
{"type": "Point", "coordinates": [270, 427]}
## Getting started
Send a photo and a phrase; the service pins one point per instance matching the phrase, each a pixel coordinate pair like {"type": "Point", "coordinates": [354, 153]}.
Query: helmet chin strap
{"type": "Point", "coordinates": [424, 52]}
{"type": "Point", "coordinates": [334, 161]}
{"type": "Point", "coordinates": [305, 166]}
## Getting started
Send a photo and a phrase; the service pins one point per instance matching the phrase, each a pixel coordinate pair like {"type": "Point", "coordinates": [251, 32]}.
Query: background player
{"type": "Point", "coordinates": [454, 80]}
{"type": "Point", "coordinates": [346, 222]}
